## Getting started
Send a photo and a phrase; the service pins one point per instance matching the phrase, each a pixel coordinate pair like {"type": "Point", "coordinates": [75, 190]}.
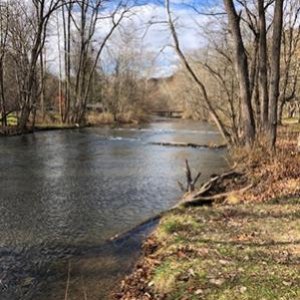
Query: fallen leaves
{"type": "Point", "coordinates": [217, 282]}
{"type": "Point", "coordinates": [275, 176]}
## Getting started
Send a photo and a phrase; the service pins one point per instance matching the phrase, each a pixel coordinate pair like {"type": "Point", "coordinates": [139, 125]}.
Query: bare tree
{"type": "Point", "coordinates": [4, 27]}
{"type": "Point", "coordinates": [290, 60]}
{"type": "Point", "coordinates": [241, 62]}
{"type": "Point", "coordinates": [194, 76]}
{"type": "Point", "coordinates": [126, 88]}
{"type": "Point", "coordinates": [263, 64]}
{"type": "Point", "coordinates": [66, 17]}
{"type": "Point", "coordinates": [275, 71]}
{"type": "Point", "coordinates": [27, 47]}
{"type": "Point", "coordinates": [257, 68]}
{"type": "Point", "coordinates": [88, 52]}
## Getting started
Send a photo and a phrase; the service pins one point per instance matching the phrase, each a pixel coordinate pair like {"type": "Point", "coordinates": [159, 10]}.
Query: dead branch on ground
{"type": "Point", "coordinates": [209, 190]}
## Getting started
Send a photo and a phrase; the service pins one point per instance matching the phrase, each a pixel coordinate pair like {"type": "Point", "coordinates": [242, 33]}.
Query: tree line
{"type": "Point", "coordinates": [26, 83]}
{"type": "Point", "coordinates": [250, 69]}
{"type": "Point", "coordinates": [244, 77]}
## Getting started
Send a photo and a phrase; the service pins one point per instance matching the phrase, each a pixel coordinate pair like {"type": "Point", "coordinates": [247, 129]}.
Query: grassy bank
{"type": "Point", "coordinates": [246, 250]}
{"type": "Point", "coordinates": [52, 121]}
{"type": "Point", "coordinates": [13, 130]}
{"type": "Point", "coordinates": [224, 252]}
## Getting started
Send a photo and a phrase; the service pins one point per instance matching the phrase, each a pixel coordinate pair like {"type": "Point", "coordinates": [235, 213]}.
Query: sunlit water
{"type": "Point", "coordinates": [63, 194]}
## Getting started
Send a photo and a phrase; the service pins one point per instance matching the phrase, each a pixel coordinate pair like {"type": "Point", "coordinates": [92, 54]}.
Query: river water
{"type": "Point", "coordinates": [63, 194]}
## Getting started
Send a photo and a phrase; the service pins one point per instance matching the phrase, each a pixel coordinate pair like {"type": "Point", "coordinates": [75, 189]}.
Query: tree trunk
{"type": "Point", "coordinates": [275, 72]}
{"type": "Point", "coordinates": [215, 117]}
{"type": "Point", "coordinates": [280, 112]}
{"type": "Point", "coordinates": [2, 95]}
{"type": "Point", "coordinates": [60, 94]}
{"type": "Point", "coordinates": [241, 62]}
{"type": "Point", "coordinates": [25, 113]}
{"type": "Point", "coordinates": [42, 85]}
{"type": "Point", "coordinates": [263, 61]}
{"type": "Point", "coordinates": [67, 61]}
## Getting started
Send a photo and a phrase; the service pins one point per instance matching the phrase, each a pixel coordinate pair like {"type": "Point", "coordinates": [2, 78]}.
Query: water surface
{"type": "Point", "coordinates": [63, 194]}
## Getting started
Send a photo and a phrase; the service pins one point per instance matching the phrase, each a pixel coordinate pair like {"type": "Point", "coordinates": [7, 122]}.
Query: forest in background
{"type": "Point", "coordinates": [245, 78]}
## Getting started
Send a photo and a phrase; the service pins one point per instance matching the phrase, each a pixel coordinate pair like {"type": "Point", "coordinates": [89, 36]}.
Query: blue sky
{"type": "Point", "coordinates": [158, 40]}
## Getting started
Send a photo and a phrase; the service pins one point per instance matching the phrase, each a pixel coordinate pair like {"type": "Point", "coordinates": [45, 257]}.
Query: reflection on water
{"type": "Point", "coordinates": [64, 193]}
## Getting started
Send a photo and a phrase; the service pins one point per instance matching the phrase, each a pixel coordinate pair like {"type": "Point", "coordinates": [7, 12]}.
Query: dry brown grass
{"type": "Point", "coordinates": [275, 175]}
{"type": "Point", "coordinates": [99, 118]}
{"type": "Point", "coordinates": [129, 117]}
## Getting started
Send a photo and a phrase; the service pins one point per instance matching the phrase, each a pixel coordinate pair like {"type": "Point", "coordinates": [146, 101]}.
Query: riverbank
{"type": "Point", "coordinates": [43, 127]}
{"type": "Point", "coordinates": [95, 183]}
{"type": "Point", "coordinates": [13, 131]}
{"type": "Point", "coordinates": [246, 247]}
{"type": "Point", "coordinates": [52, 122]}
{"type": "Point", "coordinates": [226, 252]}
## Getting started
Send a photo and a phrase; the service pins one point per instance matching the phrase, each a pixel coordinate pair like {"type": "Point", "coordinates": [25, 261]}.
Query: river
{"type": "Point", "coordinates": [63, 194]}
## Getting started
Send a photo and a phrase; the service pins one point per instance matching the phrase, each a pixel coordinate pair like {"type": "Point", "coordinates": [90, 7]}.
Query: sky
{"type": "Point", "coordinates": [155, 39]}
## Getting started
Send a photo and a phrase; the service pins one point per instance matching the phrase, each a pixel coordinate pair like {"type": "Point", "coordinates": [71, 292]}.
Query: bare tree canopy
{"type": "Point", "coordinates": [245, 76]}
{"type": "Point", "coordinates": [258, 41]}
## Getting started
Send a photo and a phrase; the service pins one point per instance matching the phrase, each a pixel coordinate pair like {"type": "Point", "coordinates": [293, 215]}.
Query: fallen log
{"type": "Point", "coordinates": [206, 187]}
{"type": "Point", "coordinates": [209, 190]}
{"type": "Point", "coordinates": [209, 184]}
{"type": "Point", "coordinates": [217, 196]}
{"type": "Point", "coordinates": [191, 145]}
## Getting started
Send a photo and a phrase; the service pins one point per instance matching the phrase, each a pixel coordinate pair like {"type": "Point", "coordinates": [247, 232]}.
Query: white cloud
{"type": "Point", "coordinates": [155, 39]}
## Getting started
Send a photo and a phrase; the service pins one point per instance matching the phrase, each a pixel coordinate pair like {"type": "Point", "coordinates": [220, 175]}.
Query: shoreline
{"type": "Point", "coordinates": [151, 245]}
{"type": "Point", "coordinates": [56, 127]}
{"type": "Point", "coordinates": [62, 127]}
{"type": "Point", "coordinates": [211, 252]}
{"type": "Point", "coordinates": [176, 262]}
{"type": "Point", "coordinates": [41, 129]}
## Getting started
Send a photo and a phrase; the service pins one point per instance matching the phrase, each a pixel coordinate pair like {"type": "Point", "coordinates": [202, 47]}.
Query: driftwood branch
{"type": "Point", "coordinates": [188, 175]}
{"type": "Point", "coordinates": [220, 195]}
{"type": "Point", "coordinates": [197, 178]}
{"type": "Point", "coordinates": [207, 186]}
{"type": "Point", "coordinates": [208, 190]}
{"type": "Point", "coordinates": [181, 187]}
{"type": "Point", "coordinates": [190, 182]}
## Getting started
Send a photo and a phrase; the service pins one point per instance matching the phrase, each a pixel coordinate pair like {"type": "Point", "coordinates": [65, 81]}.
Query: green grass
{"type": "Point", "coordinates": [291, 124]}
{"type": "Point", "coordinates": [238, 252]}
{"type": "Point", "coordinates": [177, 223]}
{"type": "Point", "coordinates": [12, 120]}
{"type": "Point", "coordinates": [288, 121]}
